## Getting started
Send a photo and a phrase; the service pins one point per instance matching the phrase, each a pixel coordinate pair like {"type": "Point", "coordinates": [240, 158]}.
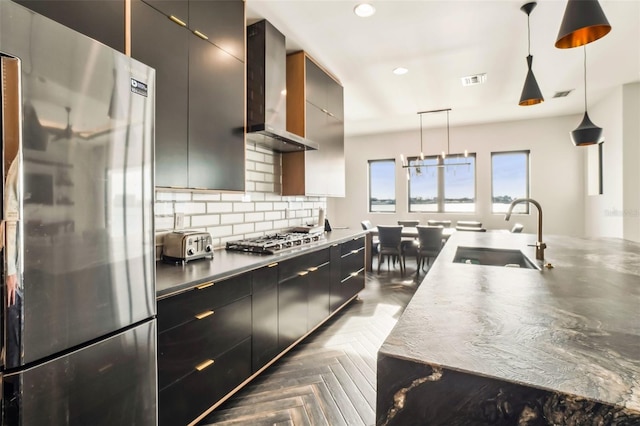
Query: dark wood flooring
{"type": "Point", "coordinates": [329, 378]}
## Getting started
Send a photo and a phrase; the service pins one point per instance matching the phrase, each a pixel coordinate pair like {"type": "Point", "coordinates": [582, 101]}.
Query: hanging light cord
{"type": "Point", "coordinates": [448, 133]}
{"type": "Point", "coordinates": [421, 151]}
{"type": "Point", "coordinates": [585, 76]}
{"type": "Point", "coordinates": [528, 36]}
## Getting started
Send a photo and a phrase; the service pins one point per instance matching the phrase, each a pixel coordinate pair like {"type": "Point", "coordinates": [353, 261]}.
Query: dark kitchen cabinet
{"type": "Point", "coordinates": [319, 289]}
{"type": "Point", "coordinates": [177, 9]}
{"type": "Point", "coordinates": [350, 257]}
{"type": "Point", "coordinates": [293, 296]}
{"type": "Point", "coordinates": [204, 347]}
{"type": "Point", "coordinates": [264, 332]}
{"type": "Point", "coordinates": [102, 20]}
{"type": "Point", "coordinates": [216, 118]}
{"type": "Point", "coordinates": [220, 24]}
{"type": "Point", "coordinates": [317, 100]}
{"type": "Point", "coordinates": [163, 45]}
{"type": "Point", "coordinates": [200, 92]}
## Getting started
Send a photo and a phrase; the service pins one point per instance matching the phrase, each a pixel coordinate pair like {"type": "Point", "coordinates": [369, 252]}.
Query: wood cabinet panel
{"type": "Point", "coordinates": [292, 310]}
{"type": "Point", "coordinates": [319, 292]}
{"type": "Point", "coordinates": [163, 45]}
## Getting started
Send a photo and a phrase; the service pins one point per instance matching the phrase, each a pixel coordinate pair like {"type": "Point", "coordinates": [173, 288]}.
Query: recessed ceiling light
{"type": "Point", "coordinates": [364, 10]}
{"type": "Point", "coordinates": [472, 80]}
{"type": "Point", "coordinates": [562, 94]}
{"type": "Point", "coordinates": [400, 71]}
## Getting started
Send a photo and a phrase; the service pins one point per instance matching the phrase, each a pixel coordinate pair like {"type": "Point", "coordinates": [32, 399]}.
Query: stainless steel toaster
{"type": "Point", "coordinates": [187, 245]}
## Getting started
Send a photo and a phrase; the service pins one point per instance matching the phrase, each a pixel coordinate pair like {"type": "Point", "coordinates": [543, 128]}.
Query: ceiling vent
{"type": "Point", "coordinates": [562, 94]}
{"type": "Point", "coordinates": [472, 80]}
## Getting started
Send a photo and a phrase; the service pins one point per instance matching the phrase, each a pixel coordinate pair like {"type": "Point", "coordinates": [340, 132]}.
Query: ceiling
{"type": "Point", "coordinates": [440, 41]}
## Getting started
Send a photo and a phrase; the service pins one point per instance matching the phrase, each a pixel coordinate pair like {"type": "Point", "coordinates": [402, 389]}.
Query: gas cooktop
{"type": "Point", "coordinates": [274, 243]}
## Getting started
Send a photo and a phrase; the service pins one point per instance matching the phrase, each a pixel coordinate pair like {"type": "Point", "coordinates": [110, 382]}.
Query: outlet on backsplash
{"type": "Point", "coordinates": [178, 221]}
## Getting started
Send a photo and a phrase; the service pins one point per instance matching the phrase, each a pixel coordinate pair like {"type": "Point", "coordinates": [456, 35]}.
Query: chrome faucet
{"type": "Point", "coordinates": [540, 246]}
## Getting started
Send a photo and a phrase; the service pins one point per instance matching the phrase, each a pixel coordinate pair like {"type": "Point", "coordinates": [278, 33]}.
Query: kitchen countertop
{"type": "Point", "coordinates": [175, 278]}
{"type": "Point", "coordinates": [573, 329]}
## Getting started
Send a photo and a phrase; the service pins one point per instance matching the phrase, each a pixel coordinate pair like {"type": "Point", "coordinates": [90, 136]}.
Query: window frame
{"type": "Point", "coordinates": [369, 182]}
{"type": "Point", "coordinates": [441, 182]}
{"type": "Point", "coordinates": [526, 206]}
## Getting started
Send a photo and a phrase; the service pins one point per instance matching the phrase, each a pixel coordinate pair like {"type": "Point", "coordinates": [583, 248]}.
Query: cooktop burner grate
{"type": "Point", "coordinates": [273, 243]}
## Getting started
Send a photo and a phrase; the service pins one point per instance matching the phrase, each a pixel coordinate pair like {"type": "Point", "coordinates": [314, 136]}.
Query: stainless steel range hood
{"type": "Point", "coordinates": [266, 91]}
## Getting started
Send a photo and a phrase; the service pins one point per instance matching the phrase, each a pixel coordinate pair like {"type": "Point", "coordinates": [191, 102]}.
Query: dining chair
{"type": "Point", "coordinates": [430, 244]}
{"type": "Point", "coordinates": [409, 223]}
{"type": "Point", "coordinates": [375, 241]}
{"type": "Point", "coordinates": [390, 245]}
{"type": "Point", "coordinates": [469, 225]}
{"type": "Point", "coordinates": [443, 223]}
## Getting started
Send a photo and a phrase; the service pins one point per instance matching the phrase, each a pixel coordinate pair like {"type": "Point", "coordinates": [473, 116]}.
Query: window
{"type": "Point", "coordinates": [442, 186]}
{"type": "Point", "coordinates": [509, 180]}
{"type": "Point", "coordinates": [382, 186]}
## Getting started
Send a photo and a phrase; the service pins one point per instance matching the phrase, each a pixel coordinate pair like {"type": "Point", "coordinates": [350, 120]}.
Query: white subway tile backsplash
{"type": "Point", "coordinates": [219, 207]}
{"type": "Point", "coordinates": [204, 220]}
{"type": "Point", "coordinates": [231, 218]}
{"type": "Point", "coordinates": [254, 217]}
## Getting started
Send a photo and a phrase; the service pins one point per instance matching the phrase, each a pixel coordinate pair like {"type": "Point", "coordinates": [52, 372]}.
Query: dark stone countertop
{"type": "Point", "coordinates": [573, 329]}
{"type": "Point", "coordinates": [175, 278]}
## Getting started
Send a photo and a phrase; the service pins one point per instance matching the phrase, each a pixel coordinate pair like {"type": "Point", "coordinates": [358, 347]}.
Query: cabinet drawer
{"type": "Point", "coordinates": [185, 400]}
{"type": "Point", "coordinates": [265, 278]}
{"type": "Point", "coordinates": [183, 307]}
{"type": "Point", "coordinates": [355, 244]}
{"type": "Point", "coordinates": [182, 348]}
{"type": "Point", "coordinates": [351, 263]}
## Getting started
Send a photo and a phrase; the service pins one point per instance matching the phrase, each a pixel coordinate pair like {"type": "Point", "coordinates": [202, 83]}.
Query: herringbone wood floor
{"type": "Point", "coordinates": [329, 378]}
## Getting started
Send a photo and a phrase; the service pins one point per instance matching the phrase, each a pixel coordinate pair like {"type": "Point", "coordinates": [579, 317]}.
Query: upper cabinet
{"type": "Point", "coordinates": [197, 49]}
{"type": "Point", "coordinates": [102, 20]}
{"type": "Point", "coordinates": [315, 110]}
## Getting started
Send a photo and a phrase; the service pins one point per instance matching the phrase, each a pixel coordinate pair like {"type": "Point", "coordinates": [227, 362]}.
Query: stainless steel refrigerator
{"type": "Point", "coordinates": [78, 276]}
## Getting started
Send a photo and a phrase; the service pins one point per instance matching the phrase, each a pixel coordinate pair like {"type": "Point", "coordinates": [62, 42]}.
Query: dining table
{"type": "Point", "coordinates": [407, 233]}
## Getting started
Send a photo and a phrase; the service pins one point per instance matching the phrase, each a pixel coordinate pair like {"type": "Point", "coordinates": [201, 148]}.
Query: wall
{"type": "Point", "coordinates": [557, 173]}
{"type": "Point", "coordinates": [616, 213]}
{"type": "Point", "coordinates": [233, 216]}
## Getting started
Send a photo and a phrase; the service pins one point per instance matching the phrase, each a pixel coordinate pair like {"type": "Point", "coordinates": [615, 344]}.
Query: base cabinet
{"type": "Point", "coordinates": [214, 337]}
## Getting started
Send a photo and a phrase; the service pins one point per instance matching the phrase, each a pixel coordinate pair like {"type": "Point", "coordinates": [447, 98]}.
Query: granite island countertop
{"type": "Point", "coordinates": [573, 329]}
{"type": "Point", "coordinates": [175, 278]}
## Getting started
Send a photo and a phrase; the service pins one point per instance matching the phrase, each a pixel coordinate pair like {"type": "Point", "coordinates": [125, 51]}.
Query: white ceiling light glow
{"type": "Point", "coordinates": [364, 10]}
{"type": "Point", "coordinates": [400, 71]}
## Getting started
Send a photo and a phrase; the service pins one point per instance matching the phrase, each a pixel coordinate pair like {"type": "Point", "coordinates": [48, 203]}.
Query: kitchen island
{"type": "Point", "coordinates": [493, 345]}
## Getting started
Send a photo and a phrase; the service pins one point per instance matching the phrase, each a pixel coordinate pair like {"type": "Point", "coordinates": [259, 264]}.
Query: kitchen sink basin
{"type": "Point", "coordinates": [493, 257]}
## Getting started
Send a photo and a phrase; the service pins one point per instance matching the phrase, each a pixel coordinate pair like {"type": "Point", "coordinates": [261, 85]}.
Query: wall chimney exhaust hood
{"type": "Point", "coordinates": [267, 91]}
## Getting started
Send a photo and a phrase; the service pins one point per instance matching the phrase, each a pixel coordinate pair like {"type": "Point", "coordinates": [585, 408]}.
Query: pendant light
{"type": "Point", "coordinates": [531, 94]}
{"type": "Point", "coordinates": [583, 22]}
{"type": "Point", "coordinates": [586, 133]}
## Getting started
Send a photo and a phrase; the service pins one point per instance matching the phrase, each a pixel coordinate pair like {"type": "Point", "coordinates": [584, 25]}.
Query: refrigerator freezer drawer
{"type": "Point", "coordinates": [111, 382]}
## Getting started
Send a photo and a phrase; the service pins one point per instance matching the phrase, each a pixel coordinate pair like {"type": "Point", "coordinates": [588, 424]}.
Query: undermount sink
{"type": "Point", "coordinates": [493, 257]}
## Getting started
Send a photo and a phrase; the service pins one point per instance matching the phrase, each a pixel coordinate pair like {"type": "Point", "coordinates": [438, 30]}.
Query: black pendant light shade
{"type": "Point", "coordinates": [583, 22]}
{"type": "Point", "coordinates": [531, 94]}
{"type": "Point", "coordinates": [586, 133]}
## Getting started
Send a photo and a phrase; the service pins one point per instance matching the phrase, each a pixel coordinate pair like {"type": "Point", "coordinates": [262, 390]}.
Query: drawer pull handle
{"type": "Point", "coordinates": [272, 265]}
{"type": "Point", "coordinates": [354, 274]}
{"type": "Point", "coordinates": [205, 285]}
{"type": "Point", "coordinates": [313, 269]}
{"type": "Point", "coordinates": [334, 245]}
{"type": "Point", "coordinates": [204, 364]}
{"type": "Point", "coordinates": [303, 273]}
{"type": "Point", "coordinates": [204, 315]}
{"type": "Point", "coordinates": [201, 35]}
{"type": "Point", "coordinates": [178, 21]}
{"type": "Point", "coordinates": [354, 251]}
